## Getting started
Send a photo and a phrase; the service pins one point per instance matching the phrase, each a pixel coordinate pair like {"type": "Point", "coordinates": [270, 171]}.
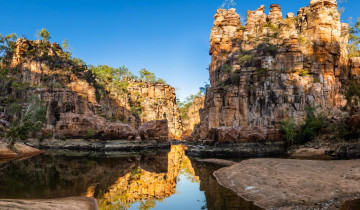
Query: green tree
{"type": "Point", "coordinates": [31, 119]}
{"type": "Point", "coordinates": [354, 39]}
{"type": "Point", "coordinates": [44, 34]}
{"type": "Point", "coordinates": [7, 44]}
{"type": "Point", "coordinates": [147, 76]}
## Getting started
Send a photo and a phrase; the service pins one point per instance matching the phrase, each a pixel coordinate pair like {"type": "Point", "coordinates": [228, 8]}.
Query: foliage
{"type": "Point", "coordinates": [44, 34]}
{"type": "Point", "coordinates": [203, 89]}
{"type": "Point", "coordinates": [185, 105]}
{"type": "Point", "coordinates": [352, 95]}
{"type": "Point", "coordinates": [354, 39]}
{"type": "Point", "coordinates": [268, 48]}
{"type": "Point", "coordinates": [271, 26]}
{"type": "Point", "coordinates": [288, 126]}
{"type": "Point", "coordinates": [7, 44]}
{"type": "Point", "coordinates": [302, 72]}
{"type": "Point", "coordinates": [245, 58]}
{"type": "Point", "coordinates": [31, 120]}
{"type": "Point", "coordinates": [150, 77]}
{"type": "Point", "coordinates": [225, 68]}
{"type": "Point", "coordinates": [312, 126]}
{"type": "Point", "coordinates": [89, 133]}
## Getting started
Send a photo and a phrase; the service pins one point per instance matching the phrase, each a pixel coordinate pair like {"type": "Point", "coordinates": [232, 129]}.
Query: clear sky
{"type": "Point", "coordinates": [168, 37]}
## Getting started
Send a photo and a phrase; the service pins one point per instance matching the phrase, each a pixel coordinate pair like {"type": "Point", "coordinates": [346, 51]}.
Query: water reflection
{"type": "Point", "coordinates": [158, 181]}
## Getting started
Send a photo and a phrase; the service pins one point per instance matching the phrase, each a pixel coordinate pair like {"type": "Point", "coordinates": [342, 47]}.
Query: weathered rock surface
{"type": "Point", "coordinates": [73, 203]}
{"type": "Point", "coordinates": [154, 130]}
{"type": "Point", "coordinates": [193, 116]}
{"type": "Point", "coordinates": [77, 106]}
{"type": "Point", "coordinates": [22, 150]}
{"type": "Point", "coordinates": [288, 184]}
{"type": "Point", "coordinates": [271, 69]}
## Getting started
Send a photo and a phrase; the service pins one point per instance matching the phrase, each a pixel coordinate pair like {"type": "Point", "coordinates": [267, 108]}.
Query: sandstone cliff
{"type": "Point", "coordinates": [271, 69]}
{"type": "Point", "coordinates": [77, 107]}
{"type": "Point", "coordinates": [191, 116]}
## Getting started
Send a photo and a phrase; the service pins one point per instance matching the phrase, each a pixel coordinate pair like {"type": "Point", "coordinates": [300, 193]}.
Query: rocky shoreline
{"type": "Point", "coordinates": [289, 183]}
{"type": "Point", "coordinates": [99, 145]}
{"type": "Point", "coordinates": [237, 150]}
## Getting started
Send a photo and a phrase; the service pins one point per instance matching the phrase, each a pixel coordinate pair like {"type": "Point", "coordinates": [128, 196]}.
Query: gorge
{"type": "Point", "coordinates": [284, 89]}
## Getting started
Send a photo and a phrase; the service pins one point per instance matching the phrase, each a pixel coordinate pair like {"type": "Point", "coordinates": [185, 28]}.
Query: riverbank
{"type": "Point", "coordinates": [289, 183]}
{"type": "Point", "coordinates": [98, 145]}
{"type": "Point", "coordinates": [74, 203]}
{"type": "Point", "coordinates": [20, 150]}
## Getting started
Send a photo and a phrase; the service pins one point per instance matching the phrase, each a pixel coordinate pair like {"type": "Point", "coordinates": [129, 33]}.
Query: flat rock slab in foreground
{"type": "Point", "coordinates": [73, 203]}
{"type": "Point", "coordinates": [285, 183]}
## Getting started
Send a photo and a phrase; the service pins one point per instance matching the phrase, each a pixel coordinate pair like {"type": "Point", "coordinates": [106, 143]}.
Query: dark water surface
{"type": "Point", "coordinates": [156, 180]}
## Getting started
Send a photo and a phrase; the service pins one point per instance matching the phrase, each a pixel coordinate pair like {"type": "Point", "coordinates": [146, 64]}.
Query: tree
{"type": "Point", "coordinates": [7, 44]}
{"type": "Point", "coordinates": [147, 76]}
{"type": "Point", "coordinates": [44, 34]}
{"type": "Point", "coordinates": [354, 39]}
{"type": "Point", "coordinates": [31, 120]}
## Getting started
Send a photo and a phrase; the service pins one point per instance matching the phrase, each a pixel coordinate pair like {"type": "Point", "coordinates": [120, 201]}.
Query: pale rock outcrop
{"type": "Point", "coordinates": [272, 69]}
{"type": "Point", "coordinates": [192, 116]}
{"type": "Point", "coordinates": [76, 108]}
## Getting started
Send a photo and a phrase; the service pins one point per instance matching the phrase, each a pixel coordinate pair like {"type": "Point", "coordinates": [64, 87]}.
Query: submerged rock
{"type": "Point", "coordinates": [74, 203]}
{"type": "Point", "coordinates": [288, 183]}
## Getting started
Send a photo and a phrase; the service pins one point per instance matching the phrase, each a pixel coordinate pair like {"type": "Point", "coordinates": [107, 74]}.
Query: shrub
{"type": "Point", "coordinates": [245, 58]}
{"type": "Point", "coordinates": [288, 126]}
{"type": "Point", "coordinates": [44, 34]}
{"type": "Point", "coordinates": [303, 72]}
{"type": "Point", "coordinates": [89, 133]}
{"type": "Point", "coordinates": [225, 68]}
{"type": "Point", "coordinates": [352, 95]}
{"type": "Point", "coordinates": [312, 126]}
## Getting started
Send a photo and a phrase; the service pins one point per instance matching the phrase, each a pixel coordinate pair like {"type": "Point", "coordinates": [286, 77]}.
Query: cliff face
{"type": "Point", "coordinates": [272, 69]}
{"type": "Point", "coordinates": [77, 107]}
{"type": "Point", "coordinates": [192, 116]}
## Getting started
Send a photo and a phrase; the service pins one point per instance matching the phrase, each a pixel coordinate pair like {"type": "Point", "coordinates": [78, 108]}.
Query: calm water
{"type": "Point", "coordinates": [157, 180]}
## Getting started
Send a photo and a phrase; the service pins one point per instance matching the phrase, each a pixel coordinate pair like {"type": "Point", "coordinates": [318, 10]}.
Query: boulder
{"type": "Point", "coordinates": [117, 130]}
{"type": "Point", "coordinates": [154, 130]}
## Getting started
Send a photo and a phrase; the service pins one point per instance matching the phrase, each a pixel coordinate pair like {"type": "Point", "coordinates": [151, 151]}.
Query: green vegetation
{"type": "Point", "coordinates": [288, 126]}
{"type": "Point", "coordinates": [184, 106]}
{"type": "Point", "coordinates": [150, 77]}
{"type": "Point", "coordinates": [29, 120]}
{"type": "Point", "coordinates": [352, 95]}
{"type": "Point", "coordinates": [244, 58]}
{"type": "Point", "coordinates": [303, 72]}
{"type": "Point", "coordinates": [354, 39]}
{"type": "Point", "coordinates": [7, 45]}
{"type": "Point", "coordinates": [44, 34]}
{"type": "Point", "coordinates": [305, 132]}
{"type": "Point", "coordinates": [225, 68]}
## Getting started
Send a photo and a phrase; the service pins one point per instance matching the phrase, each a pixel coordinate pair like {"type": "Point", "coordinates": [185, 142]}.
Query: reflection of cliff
{"type": "Point", "coordinates": [115, 182]}
{"type": "Point", "coordinates": [217, 196]}
{"type": "Point", "coordinates": [48, 176]}
{"type": "Point", "coordinates": [139, 185]}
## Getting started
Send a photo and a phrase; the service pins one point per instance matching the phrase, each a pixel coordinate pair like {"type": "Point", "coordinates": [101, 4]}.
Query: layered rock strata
{"type": "Point", "coordinates": [271, 69]}
{"type": "Point", "coordinates": [76, 107]}
{"type": "Point", "coordinates": [192, 116]}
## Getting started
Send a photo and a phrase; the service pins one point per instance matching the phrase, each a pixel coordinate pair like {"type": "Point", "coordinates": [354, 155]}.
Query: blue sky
{"type": "Point", "coordinates": [168, 37]}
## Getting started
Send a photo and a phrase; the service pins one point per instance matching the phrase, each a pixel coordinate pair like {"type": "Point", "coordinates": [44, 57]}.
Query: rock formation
{"type": "Point", "coordinates": [192, 116]}
{"type": "Point", "coordinates": [76, 106]}
{"type": "Point", "coordinates": [271, 69]}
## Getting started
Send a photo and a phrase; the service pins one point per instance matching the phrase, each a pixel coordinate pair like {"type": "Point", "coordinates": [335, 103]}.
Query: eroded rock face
{"type": "Point", "coordinates": [273, 68]}
{"type": "Point", "coordinates": [76, 108]}
{"type": "Point", "coordinates": [193, 116]}
{"type": "Point", "coordinates": [154, 130]}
